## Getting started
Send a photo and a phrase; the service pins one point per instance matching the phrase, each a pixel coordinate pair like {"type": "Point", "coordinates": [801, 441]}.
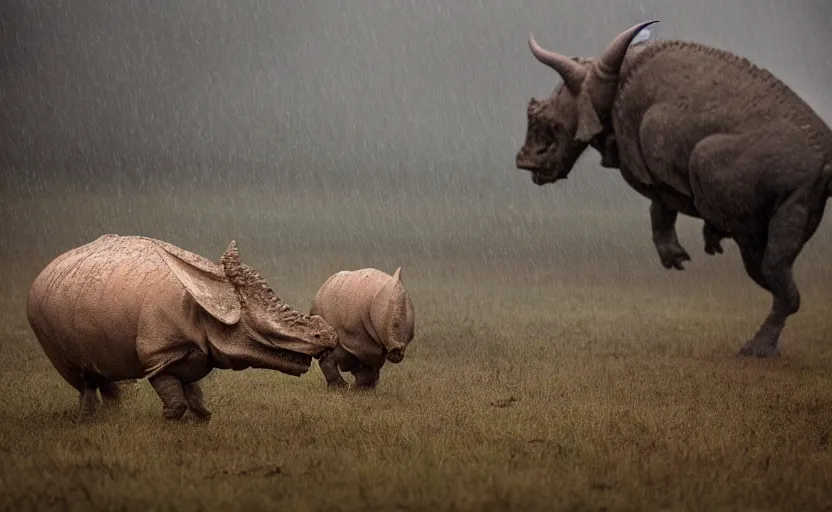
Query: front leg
{"type": "Point", "coordinates": [170, 391]}
{"type": "Point", "coordinates": [193, 395]}
{"type": "Point", "coordinates": [663, 224]}
{"type": "Point", "coordinates": [366, 377]}
{"type": "Point", "coordinates": [713, 239]}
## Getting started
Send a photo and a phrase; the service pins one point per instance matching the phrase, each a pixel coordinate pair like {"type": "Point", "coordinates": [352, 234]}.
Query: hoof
{"type": "Point", "coordinates": [753, 349]}
{"type": "Point", "coordinates": [363, 388]}
{"type": "Point", "coordinates": [713, 240]}
{"type": "Point", "coordinates": [337, 384]}
{"type": "Point", "coordinates": [175, 413]}
{"type": "Point", "coordinates": [713, 249]}
{"type": "Point", "coordinates": [85, 416]}
{"type": "Point", "coordinates": [200, 414]}
{"type": "Point", "coordinates": [673, 256]}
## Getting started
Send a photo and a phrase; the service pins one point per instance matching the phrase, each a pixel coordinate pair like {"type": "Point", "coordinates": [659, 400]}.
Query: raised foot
{"type": "Point", "coordinates": [757, 349]}
{"type": "Point", "coordinates": [672, 255]}
{"type": "Point", "coordinates": [713, 240]}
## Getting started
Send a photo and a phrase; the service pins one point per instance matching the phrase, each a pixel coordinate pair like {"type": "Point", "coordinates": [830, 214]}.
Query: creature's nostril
{"type": "Point", "coordinates": [317, 336]}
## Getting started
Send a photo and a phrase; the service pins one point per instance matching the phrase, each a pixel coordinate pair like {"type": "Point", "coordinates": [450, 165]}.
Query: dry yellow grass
{"type": "Point", "coordinates": [541, 378]}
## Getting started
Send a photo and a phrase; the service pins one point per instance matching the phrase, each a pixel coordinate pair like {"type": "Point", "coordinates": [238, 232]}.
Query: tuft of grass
{"type": "Point", "coordinates": [551, 376]}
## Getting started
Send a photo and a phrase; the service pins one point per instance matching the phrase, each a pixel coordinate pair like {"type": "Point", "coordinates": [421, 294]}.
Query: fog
{"type": "Point", "coordinates": [361, 94]}
{"type": "Point", "coordinates": [326, 135]}
{"type": "Point", "coordinates": [374, 132]}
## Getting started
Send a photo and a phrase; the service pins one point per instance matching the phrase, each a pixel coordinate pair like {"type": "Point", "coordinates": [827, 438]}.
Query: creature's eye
{"type": "Point", "coordinates": [554, 130]}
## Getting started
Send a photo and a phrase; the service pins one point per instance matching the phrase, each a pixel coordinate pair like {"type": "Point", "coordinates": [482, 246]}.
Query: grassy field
{"type": "Point", "coordinates": [556, 366]}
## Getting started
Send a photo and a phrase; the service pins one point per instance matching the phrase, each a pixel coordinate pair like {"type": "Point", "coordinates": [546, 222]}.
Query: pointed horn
{"type": "Point", "coordinates": [573, 74]}
{"type": "Point", "coordinates": [231, 254]}
{"type": "Point", "coordinates": [610, 61]}
{"type": "Point", "coordinates": [231, 265]}
{"type": "Point", "coordinates": [397, 276]}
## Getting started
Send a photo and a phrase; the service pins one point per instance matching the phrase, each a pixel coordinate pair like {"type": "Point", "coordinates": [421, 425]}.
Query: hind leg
{"type": "Point", "coordinates": [728, 180]}
{"type": "Point", "coordinates": [790, 227]}
{"type": "Point", "coordinates": [87, 389]}
{"type": "Point", "coordinates": [88, 399]}
{"type": "Point", "coordinates": [110, 392]}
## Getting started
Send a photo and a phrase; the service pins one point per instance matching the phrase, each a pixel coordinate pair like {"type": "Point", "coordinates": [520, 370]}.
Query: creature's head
{"type": "Point", "coordinates": [268, 320]}
{"type": "Point", "coordinates": [393, 311]}
{"type": "Point", "coordinates": [561, 127]}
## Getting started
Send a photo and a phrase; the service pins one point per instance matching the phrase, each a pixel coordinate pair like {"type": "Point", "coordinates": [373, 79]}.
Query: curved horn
{"type": "Point", "coordinates": [613, 56]}
{"type": "Point", "coordinates": [573, 74]}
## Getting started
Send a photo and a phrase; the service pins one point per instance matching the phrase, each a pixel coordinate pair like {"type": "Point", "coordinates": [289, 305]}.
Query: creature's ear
{"type": "Point", "coordinates": [397, 276]}
{"type": "Point", "coordinates": [534, 106]}
{"type": "Point", "coordinates": [588, 123]}
{"type": "Point", "coordinates": [204, 282]}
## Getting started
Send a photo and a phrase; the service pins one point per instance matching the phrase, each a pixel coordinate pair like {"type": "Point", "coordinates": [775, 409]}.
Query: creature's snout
{"type": "Point", "coordinates": [522, 161]}
{"type": "Point", "coordinates": [396, 355]}
{"type": "Point", "coordinates": [540, 176]}
{"type": "Point", "coordinates": [325, 334]}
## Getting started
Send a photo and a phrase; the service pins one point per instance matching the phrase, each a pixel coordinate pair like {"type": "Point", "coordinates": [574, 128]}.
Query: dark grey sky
{"type": "Point", "coordinates": [432, 92]}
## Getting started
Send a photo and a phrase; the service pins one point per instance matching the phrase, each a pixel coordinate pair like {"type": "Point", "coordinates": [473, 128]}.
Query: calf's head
{"type": "Point", "coordinates": [392, 311]}
{"type": "Point", "coordinates": [561, 127]}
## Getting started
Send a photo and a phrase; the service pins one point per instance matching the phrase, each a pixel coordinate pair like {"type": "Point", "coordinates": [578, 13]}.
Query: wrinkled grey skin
{"type": "Point", "coordinates": [698, 131]}
{"type": "Point", "coordinates": [124, 307]}
{"type": "Point", "coordinates": [374, 317]}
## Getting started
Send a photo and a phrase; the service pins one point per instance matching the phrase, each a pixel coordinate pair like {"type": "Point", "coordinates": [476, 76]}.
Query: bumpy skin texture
{"type": "Point", "coordinates": [698, 131]}
{"type": "Point", "coordinates": [127, 307]}
{"type": "Point", "coordinates": [374, 317]}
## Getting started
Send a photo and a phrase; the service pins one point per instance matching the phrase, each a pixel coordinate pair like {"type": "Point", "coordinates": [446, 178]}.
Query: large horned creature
{"type": "Point", "coordinates": [130, 307]}
{"type": "Point", "coordinates": [700, 131]}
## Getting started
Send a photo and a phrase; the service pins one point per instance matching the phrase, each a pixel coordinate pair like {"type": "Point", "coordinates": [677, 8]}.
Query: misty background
{"type": "Point", "coordinates": [393, 124]}
{"type": "Point", "coordinates": [427, 94]}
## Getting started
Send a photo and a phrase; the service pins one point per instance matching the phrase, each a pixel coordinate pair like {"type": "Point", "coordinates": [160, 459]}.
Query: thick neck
{"type": "Point", "coordinates": [231, 348]}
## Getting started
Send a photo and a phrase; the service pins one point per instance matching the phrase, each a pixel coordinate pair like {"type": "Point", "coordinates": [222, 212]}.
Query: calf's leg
{"type": "Point", "coordinates": [366, 377]}
{"type": "Point", "coordinates": [329, 367]}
